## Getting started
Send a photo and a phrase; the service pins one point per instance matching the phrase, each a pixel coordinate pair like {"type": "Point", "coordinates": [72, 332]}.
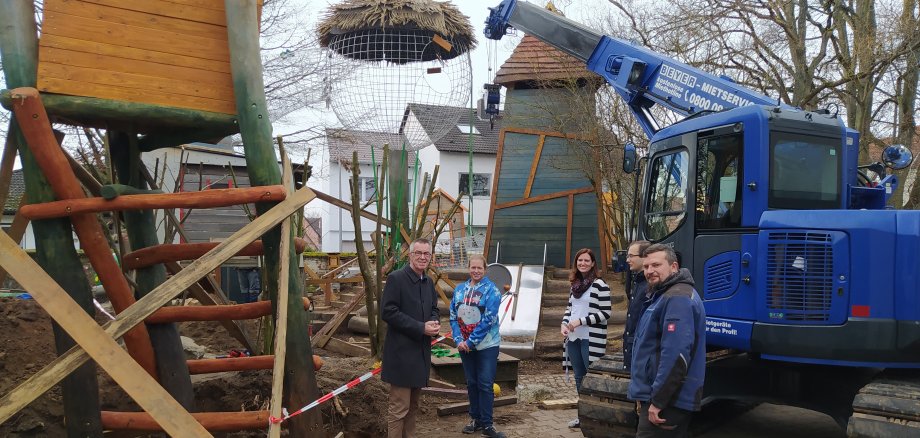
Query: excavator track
{"type": "Point", "coordinates": [603, 409]}
{"type": "Point", "coordinates": [889, 406]}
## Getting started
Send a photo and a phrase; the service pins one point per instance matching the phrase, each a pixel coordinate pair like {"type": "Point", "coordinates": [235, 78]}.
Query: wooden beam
{"type": "Point", "coordinates": [171, 252]}
{"type": "Point", "coordinates": [534, 166]}
{"type": "Point", "coordinates": [125, 114]}
{"type": "Point", "coordinates": [36, 128]}
{"type": "Point", "coordinates": [322, 336]}
{"type": "Point", "coordinates": [281, 319]}
{"type": "Point", "coordinates": [203, 199]}
{"type": "Point", "coordinates": [346, 206]}
{"type": "Point", "coordinates": [108, 354]}
{"type": "Point", "coordinates": [215, 313]}
{"type": "Point", "coordinates": [492, 200]}
{"type": "Point", "coordinates": [456, 408]}
{"type": "Point", "coordinates": [544, 197]}
{"type": "Point", "coordinates": [347, 348]}
{"type": "Point", "coordinates": [213, 421]}
{"type": "Point", "coordinates": [325, 281]}
{"type": "Point", "coordinates": [265, 362]}
{"type": "Point", "coordinates": [52, 373]}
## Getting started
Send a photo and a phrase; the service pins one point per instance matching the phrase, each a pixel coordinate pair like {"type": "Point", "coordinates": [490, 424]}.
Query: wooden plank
{"type": "Point", "coordinates": [544, 197]}
{"type": "Point", "coordinates": [339, 346]}
{"type": "Point", "coordinates": [219, 81]}
{"type": "Point", "coordinates": [56, 23]}
{"type": "Point", "coordinates": [562, 403]}
{"type": "Point", "coordinates": [496, 174]}
{"type": "Point", "coordinates": [150, 97]}
{"type": "Point", "coordinates": [325, 281]}
{"type": "Point", "coordinates": [534, 166]}
{"type": "Point", "coordinates": [265, 362]}
{"type": "Point", "coordinates": [324, 334]}
{"type": "Point", "coordinates": [226, 312]}
{"type": "Point", "coordinates": [128, 53]}
{"type": "Point", "coordinates": [456, 408]}
{"type": "Point", "coordinates": [139, 82]}
{"type": "Point", "coordinates": [124, 15]}
{"type": "Point", "coordinates": [435, 383]}
{"type": "Point", "coordinates": [281, 319]}
{"type": "Point", "coordinates": [203, 199]}
{"type": "Point", "coordinates": [52, 373]}
{"type": "Point", "coordinates": [122, 368]}
{"type": "Point", "coordinates": [170, 9]}
{"type": "Point", "coordinates": [454, 394]}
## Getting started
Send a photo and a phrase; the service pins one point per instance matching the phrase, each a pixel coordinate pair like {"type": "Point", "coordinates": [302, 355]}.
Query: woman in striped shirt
{"type": "Point", "coordinates": [584, 325]}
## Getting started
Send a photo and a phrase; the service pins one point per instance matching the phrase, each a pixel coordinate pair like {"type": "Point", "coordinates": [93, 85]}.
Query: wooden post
{"type": "Point", "coordinates": [33, 120]}
{"type": "Point", "coordinates": [54, 243]}
{"type": "Point", "coordinates": [52, 373]}
{"type": "Point", "coordinates": [300, 385]}
{"type": "Point", "coordinates": [274, 429]}
{"type": "Point", "coordinates": [142, 233]}
{"type": "Point", "coordinates": [108, 354]}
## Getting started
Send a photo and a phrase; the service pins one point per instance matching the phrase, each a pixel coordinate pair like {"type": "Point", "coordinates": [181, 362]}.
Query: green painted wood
{"type": "Point", "coordinates": [561, 168]}
{"type": "Point", "coordinates": [172, 368]}
{"type": "Point", "coordinates": [300, 386]}
{"type": "Point", "coordinates": [53, 237]}
{"type": "Point", "coordinates": [105, 113]}
{"type": "Point", "coordinates": [523, 230]}
{"type": "Point", "coordinates": [517, 158]}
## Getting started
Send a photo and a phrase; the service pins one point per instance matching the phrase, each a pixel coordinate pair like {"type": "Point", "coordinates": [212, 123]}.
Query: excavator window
{"type": "Point", "coordinates": [718, 181]}
{"type": "Point", "coordinates": [804, 172]}
{"type": "Point", "coordinates": [667, 201]}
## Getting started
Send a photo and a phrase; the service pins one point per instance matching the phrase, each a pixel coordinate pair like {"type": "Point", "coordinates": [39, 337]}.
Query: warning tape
{"type": "Point", "coordinates": [334, 393]}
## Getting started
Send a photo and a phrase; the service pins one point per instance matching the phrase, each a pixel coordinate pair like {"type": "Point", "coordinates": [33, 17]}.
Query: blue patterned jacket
{"type": "Point", "coordinates": [474, 314]}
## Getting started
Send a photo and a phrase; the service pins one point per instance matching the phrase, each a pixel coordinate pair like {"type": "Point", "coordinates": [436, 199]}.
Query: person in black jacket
{"type": "Point", "coordinates": [410, 309]}
{"type": "Point", "coordinates": [637, 292]}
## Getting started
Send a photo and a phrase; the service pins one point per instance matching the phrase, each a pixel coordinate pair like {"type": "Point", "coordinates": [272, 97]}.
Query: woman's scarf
{"type": "Point", "coordinates": [580, 286]}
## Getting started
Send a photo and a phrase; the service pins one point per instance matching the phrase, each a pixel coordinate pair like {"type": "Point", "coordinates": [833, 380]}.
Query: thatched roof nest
{"type": "Point", "coordinates": [398, 31]}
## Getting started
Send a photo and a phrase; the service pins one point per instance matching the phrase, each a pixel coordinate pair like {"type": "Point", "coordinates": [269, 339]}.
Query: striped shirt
{"type": "Point", "coordinates": [596, 321]}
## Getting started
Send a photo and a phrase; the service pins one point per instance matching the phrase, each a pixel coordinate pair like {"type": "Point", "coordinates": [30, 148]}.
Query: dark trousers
{"type": "Point", "coordinates": [679, 418]}
{"type": "Point", "coordinates": [250, 283]}
{"type": "Point", "coordinates": [479, 367]}
{"type": "Point", "coordinates": [577, 351]}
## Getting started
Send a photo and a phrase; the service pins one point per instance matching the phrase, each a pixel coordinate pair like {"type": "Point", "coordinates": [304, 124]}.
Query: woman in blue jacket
{"type": "Point", "coordinates": [474, 325]}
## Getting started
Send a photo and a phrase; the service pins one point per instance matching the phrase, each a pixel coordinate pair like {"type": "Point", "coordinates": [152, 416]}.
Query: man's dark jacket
{"type": "Point", "coordinates": [408, 302]}
{"type": "Point", "coordinates": [669, 353]}
{"type": "Point", "coordinates": [638, 302]}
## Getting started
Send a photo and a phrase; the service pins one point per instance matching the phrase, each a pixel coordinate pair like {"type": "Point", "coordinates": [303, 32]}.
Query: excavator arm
{"type": "Point", "coordinates": [641, 77]}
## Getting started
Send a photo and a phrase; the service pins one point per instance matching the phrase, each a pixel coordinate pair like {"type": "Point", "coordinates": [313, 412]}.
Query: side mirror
{"type": "Point", "coordinates": [629, 158]}
{"type": "Point", "coordinates": [897, 156]}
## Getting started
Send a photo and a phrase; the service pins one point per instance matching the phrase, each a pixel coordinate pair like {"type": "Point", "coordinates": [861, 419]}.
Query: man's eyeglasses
{"type": "Point", "coordinates": [421, 254]}
{"type": "Point", "coordinates": [629, 256]}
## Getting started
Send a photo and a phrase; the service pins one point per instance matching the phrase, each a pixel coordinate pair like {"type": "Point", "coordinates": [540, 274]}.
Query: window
{"type": "Point", "coordinates": [804, 172]}
{"type": "Point", "coordinates": [667, 197]}
{"type": "Point", "coordinates": [480, 184]}
{"type": "Point", "coordinates": [718, 181]}
{"type": "Point", "coordinates": [466, 129]}
{"type": "Point", "coordinates": [368, 189]}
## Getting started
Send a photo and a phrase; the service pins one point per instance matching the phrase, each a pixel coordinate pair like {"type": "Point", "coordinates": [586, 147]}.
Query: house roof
{"type": "Point", "coordinates": [454, 140]}
{"type": "Point", "coordinates": [343, 142]}
{"type": "Point", "coordinates": [17, 188]}
{"type": "Point", "coordinates": [534, 60]}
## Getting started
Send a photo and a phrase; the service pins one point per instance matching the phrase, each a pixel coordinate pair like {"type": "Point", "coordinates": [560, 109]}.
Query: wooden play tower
{"type": "Point", "coordinates": [152, 73]}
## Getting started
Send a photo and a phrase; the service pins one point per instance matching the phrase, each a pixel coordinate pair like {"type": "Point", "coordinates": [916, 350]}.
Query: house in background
{"type": "Point", "coordinates": [17, 189]}
{"type": "Point", "coordinates": [452, 152]}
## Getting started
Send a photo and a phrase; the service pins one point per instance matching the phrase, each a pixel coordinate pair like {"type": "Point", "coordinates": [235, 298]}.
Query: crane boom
{"type": "Point", "coordinates": [641, 77]}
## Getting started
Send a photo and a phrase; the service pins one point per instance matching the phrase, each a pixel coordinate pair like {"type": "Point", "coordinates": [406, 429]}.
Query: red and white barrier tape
{"type": "Point", "coordinates": [336, 392]}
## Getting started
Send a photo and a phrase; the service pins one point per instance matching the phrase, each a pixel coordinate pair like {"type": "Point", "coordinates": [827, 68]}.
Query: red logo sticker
{"type": "Point", "coordinates": [672, 327]}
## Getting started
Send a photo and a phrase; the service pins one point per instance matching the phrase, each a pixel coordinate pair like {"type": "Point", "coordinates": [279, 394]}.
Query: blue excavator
{"type": "Point", "coordinates": [811, 284]}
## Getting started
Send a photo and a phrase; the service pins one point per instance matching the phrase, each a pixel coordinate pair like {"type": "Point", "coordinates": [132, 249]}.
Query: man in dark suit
{"type": "Point", "coordinates": [410, 309]}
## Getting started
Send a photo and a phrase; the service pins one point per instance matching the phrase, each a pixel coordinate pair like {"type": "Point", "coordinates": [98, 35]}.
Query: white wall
{"type": "Point", "coordinates": [455, 163]}
{"type": "Point", "coordinates": [339, 229]}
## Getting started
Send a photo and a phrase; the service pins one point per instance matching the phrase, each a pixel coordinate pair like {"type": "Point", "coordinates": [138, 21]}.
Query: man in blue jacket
{"type": "Point", "coordinates": [669, 353]}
